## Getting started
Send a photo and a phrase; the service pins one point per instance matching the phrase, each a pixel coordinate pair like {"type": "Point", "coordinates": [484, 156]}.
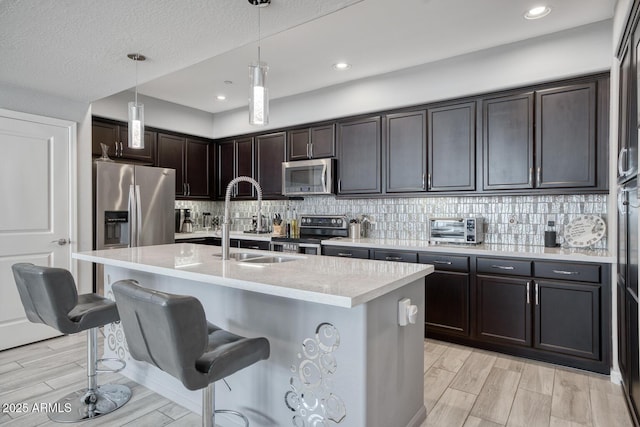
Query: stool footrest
{"type": "Point", "coordinates": [236, 413]}
{"type": "Point", "coordinates": [111, 359]}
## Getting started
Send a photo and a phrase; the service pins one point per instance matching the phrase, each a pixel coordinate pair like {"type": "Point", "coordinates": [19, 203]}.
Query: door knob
{"type": "Point", "coordinates": [61, 242]}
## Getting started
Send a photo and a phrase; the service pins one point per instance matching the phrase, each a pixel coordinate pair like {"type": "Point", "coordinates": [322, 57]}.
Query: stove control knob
{"type": "Point", "coordinates": [333, 220]}
{"type": "Point", "coordinates": [339, 221]}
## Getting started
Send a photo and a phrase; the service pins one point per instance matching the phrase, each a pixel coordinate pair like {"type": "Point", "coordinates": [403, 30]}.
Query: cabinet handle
{"type": "Point", "coordinates": [339, 185]}
{"type": "Point", "coordinates": [253, 247]}
{"type": "Point", "coordinates": [503, 267]}
{"type": "Point", "coordinates": [530, 176]}
{"type": "Point", "coordinates": [568, 273]}
{"type": "Point", "coordinates": [188, 189]}
{"type": "Point", "coordinates": [429, 181]}
{"type": "Point", "coordinates": [423, 183]}
{"type": "Point", "coordinates": [393, 258]}
{"type": "Point", "coordinates": [348, 254]}
{"type": "Point", "coordinates": [537, 300]}
{"type": "Point", "coordinates": [528, 301]}
{"type": "Point", "coordinates": [622, 155]}
{"type": "Point", "coordinates": [116, 145]}
{"type": "Point", "coordinates": [311, 150]}
{"type": "Point", "coordinates": [442, 262]}
{"type": "Point", "coordinates": [308, 154]}
{"type": "Point", "coordinates": [539, 176]}
{"type": "Point", "coordinates": [184, 189]}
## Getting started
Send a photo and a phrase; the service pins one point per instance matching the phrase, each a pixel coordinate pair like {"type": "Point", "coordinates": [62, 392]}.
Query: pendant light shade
{"type": "Point", "coordinates": [258, 91]}
{"type": "Point", "coordinates": [136, 112]}
{"type": "Point", "coordinates": [258, 95]}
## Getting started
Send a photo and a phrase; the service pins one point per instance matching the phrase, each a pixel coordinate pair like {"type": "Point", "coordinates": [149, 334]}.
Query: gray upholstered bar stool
{"type": "Point", "coordinates": [49, 296]}
{"type": "Point", "coordinates": [171, 332]}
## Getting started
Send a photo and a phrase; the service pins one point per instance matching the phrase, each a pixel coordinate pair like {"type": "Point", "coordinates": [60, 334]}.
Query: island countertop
{"type": "Point", "coordinates": [320, 279]}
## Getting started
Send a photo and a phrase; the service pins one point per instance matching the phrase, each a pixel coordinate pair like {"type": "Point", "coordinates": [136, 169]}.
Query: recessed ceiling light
{"type": "Point", "coordinates": [341, 66]}
{"type": "Point", "coordinates": [537, 12]}
{"type": "Point", "coordinates": [221, 97]}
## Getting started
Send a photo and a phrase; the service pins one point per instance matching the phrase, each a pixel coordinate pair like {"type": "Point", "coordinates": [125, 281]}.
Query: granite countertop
{"type": "Point", "coordinates": [234, 235]}
{"type": "Point", "coordinates": [326, 280]}
{"type": "Point", "coordinates": [484, 249]}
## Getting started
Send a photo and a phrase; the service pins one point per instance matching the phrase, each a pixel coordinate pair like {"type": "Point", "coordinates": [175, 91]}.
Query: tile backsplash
{"type": "Point", "coordinates": [508, 219]}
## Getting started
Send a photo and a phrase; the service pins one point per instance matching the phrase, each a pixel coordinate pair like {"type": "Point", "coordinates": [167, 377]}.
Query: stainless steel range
{"type": "Point", "coordinates": [313, 229]}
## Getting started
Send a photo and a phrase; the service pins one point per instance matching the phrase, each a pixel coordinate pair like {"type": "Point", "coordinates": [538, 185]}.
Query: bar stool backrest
{"type": "Point", "coordinates": [48, 294]}
{"type": "Point", "coordinates": [168, 331]}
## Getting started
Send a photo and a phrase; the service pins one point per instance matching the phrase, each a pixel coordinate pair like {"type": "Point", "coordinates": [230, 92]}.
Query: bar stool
{"type": "Point", "coordinates": [171, 332]}
{"type": "Point", "coordinates": [49, 296]}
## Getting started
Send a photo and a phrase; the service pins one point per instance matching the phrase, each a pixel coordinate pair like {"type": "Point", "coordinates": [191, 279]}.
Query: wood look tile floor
{"type": "Point", "coordinates": [463, 387]}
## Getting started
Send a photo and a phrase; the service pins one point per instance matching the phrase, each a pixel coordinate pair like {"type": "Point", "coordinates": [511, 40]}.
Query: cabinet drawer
{"type": "Point", "coordinates": [445, 262]}
{"type": "Point", "coordinates": [346, 252]}
{"type": "Point", "coordinates": [509, 267]}
{"type": "Point", "coordinates": [395, 256]}
{"type": "Point", "coordinates": [254, 244]}
{"type": "Point", "coordinates": [567, 271]}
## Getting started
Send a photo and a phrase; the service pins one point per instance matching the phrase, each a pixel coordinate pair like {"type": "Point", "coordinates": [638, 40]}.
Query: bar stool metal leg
{"type": "Point", "coordinates": [95, 400]}
{"type": "Point", "coordinates": [209, 411]}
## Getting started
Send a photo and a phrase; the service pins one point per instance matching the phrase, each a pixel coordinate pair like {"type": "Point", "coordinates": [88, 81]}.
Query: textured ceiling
{"type": "Point", "coordinates": [77, 48]}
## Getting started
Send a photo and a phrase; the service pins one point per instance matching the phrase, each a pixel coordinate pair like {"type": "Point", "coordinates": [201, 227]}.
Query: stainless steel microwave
{"type": "Point", "coordinates": [308, 177]}
{"type": "Point", "coordinates": [456, 230]}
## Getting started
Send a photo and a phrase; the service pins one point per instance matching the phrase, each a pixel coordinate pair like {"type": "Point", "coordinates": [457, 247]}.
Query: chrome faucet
{"type": "Point", "coordinates": [226, 221]}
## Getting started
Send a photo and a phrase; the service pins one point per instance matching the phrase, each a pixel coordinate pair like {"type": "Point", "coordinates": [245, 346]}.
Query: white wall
{"type": "Point", "coordinates": [569, 53]}
{"type": "Point", "coordinates": [157, 113]}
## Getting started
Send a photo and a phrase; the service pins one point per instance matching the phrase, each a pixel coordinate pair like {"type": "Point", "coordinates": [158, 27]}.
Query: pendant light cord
{"type": "Point", "coordinates": [259, 35]}
{"type": "Point", "coordinates": [136, 96]}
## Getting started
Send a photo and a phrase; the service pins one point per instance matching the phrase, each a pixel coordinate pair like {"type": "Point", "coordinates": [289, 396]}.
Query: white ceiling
{"type": "Point", "coordinates": [77, 48]}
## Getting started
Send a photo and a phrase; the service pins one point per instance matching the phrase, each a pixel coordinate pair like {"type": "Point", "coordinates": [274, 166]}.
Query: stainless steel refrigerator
{"type": "Point", "coordinates": [133, 206]}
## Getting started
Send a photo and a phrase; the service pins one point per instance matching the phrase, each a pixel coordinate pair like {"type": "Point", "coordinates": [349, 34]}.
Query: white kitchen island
{"type": "Point", "coordinates": [338, 354]}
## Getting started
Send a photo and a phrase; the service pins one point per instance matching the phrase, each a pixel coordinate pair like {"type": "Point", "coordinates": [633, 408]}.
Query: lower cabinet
{"type": "Point", "coordinates": [345, 252]}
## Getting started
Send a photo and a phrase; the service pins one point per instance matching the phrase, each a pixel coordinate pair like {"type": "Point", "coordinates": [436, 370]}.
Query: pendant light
{"type": "Point", "coordinates": [136, 112]}
{"type": "Point", "coordinates": [258, 92]}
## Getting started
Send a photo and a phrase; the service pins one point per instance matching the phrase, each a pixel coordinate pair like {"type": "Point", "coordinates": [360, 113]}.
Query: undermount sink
{"type": "Point", "coordinates": [269, 260]}
{"type": "Point", "coordinates": [240, 256]}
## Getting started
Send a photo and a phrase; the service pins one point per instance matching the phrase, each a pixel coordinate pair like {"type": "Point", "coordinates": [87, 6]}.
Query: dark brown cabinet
{"type": "Point", "coordinates": [566, 137]}
{"type": "Point", "coordinates": [235, 158]}
{"type": "Point", "coordinates": [406, 145]}
{"type": "Point", "coordinates": [115, 135]}
{"type": "Point", "coordinates": [359, 156]}
{"type": "Point", "coordinates": [452, 147]}
{"type": "Point", "coordinates": [190, 158]}
{"type": "Point", "coordinates": [312, 143]}
{"type": "Point", "coordinates": [345, 252]}
{"type": "Point", "coordinates": [262, 245]}
{"type": "Point", "coordinates": [397, 256]}
{"type": "Point", "coordinates": [270, 153]}
{"type": "Point", "coordinates": [447, 294]}
{"type": "Point", "coordinates": [628, 136]}
{"type": "Point", "coordinates": [508, 142]}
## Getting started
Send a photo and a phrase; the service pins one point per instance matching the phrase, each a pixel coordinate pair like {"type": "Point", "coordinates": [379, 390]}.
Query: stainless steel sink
{"type": "Point", "coordinates": [240, 256]}
{"type": "Point", "coordinates": [269, 260]}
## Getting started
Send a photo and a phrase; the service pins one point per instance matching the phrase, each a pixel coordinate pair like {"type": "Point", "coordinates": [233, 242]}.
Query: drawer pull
{"type": "Point", "coordinates": [503, 267]}
{"type": "Point", "coordinates": [567, 273]}
{"type": "Point", "coordinates": [345, 254]}
{"type": "Point", "coordinates": [254, 247]}
{"type": "Point", "coordinates": [393, 258]}
{"type": "Point", "coordinates": [528, 301]}
{"type": "Point", "coordinates": [442, 262]}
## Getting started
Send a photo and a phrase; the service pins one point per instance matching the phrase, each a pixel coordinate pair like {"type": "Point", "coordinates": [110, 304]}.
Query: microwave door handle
{"type": "Point", "coordinates": [324, 178]}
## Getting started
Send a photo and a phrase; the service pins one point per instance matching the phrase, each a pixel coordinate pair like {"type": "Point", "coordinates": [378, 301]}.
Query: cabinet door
{"type": "Point", "coordinates": [226, 167]}
{"type": "Point", "coordinates": [627, 137]}
{"type": "Point", "coordinates": [397, 256]}
{"type": "Point", "coordinates": [566, 137]}
{"type": "Point", "coordinates": [623, 338]}
{"type": "Point", "coordinates": [508, 142]}
{"type": "Point", "coordinates": [568, 318]}
{"type": "Point", "coordinates": [197, 169]}
{"type": "Point", "coordinates": [633, 344]}
{"type": "Point", "coordinates": [105, 133]}
{"type": "Point", "coordinates": [345, 252]}
{"type": "Point", "coordinates": [270, 153]}
{"type": "Point", "coordinates": [254, 244]}
{"type": "Point", "coordinates": [452, 147]}
{"type": "Point", "coordinates": [299, 144]}
{"type": "Point", "coordinates": [447, 303]}
{"type": "Point", "coordinates": [504, 310]}
{"type": "Point", "coordinates": [406, 152]}
{"type": "Point", "coordinates": [146, 154]}
{"type": "Point", "coordinates": [323, 141]}
{"type": "Point", "coordinates": [171, 155]}
{"type": "Point", "coordinates": [244, 166]}
{"type": "Point", "coordinates": [359, 152]}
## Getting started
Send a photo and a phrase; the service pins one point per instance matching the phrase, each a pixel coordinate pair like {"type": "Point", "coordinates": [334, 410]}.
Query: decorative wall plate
{"type": "Point", "coordinates": [585, 230]}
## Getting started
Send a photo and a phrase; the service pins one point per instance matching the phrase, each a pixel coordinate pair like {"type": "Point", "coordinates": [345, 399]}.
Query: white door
{"type": "Point", "coordinates": [36, 176]}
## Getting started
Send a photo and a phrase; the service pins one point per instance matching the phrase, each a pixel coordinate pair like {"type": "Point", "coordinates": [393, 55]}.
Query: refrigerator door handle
{"type": "Point", "coordinates": [138, 216]}
{"type": "Point", "coordinates": [132, 213]}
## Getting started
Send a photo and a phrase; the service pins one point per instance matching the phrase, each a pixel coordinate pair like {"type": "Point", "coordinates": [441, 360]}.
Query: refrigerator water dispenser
{"type": "Point", "coordinates": [116, 228]}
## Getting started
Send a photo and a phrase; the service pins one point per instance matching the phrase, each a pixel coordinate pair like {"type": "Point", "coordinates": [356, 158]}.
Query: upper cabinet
{"type": "Point", "coordinates": [190, 158]}
{"type": "Point", "coordinates": [627, 135]}
{"type": "Point", "coordinates": [359, 156]}
{"type": "Point", "coordinates": [270, 153]}
{"type": "Point", "coordinates": [452, 147]}
{"type": "Point", "coordinates": [235, 158]}
{"type": "Point", "coordinates": [312, 143]}
{"type": "Point", "coordinates": [406, 144]}
{"type": "Point", "coordinates": [116, 136]}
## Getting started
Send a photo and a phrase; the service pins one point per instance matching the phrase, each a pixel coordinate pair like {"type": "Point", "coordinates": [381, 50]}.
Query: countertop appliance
{"type": "Point", "coordinates": [308, 177]}
{"type": "Point", "coordinates": [313, 229]}
{"type": "Point", "coordinates": [456, 230]}
{"type": "Point", "coordinates": [133, 206]}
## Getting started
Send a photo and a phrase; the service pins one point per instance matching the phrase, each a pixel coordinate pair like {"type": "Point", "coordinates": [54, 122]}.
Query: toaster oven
{"type": "Point", "coordinates": [456, 230]}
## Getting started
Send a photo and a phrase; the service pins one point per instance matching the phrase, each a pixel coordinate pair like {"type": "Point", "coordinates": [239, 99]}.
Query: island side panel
{"type": "Point", "coordinates": [395, 386]}
{"type": "Point", "coordinates": [317, 371]}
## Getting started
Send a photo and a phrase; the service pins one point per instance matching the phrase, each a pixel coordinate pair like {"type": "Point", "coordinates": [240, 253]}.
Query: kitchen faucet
{"type": "Point", "coordinates": [227, 220]}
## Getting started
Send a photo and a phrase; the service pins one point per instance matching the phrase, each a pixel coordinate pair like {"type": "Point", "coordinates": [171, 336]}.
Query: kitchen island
{"type": "Point", "coordinates": [338, 353]}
